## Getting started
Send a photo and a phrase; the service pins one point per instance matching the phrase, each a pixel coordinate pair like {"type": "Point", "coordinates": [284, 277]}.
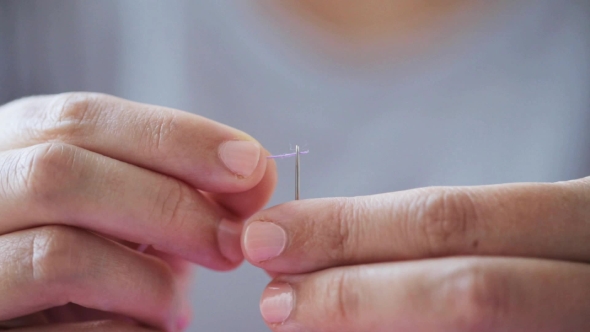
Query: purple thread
{"type": "Point", "coordinates": [287, 155]}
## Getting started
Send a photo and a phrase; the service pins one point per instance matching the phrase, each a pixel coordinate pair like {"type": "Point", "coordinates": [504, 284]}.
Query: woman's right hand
{"type": "Point", "coordinates": [85, 178]}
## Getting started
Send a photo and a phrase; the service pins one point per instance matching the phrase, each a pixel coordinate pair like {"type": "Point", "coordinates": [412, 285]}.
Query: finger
{"type": "Point", "coordinates": [454, 295]}
{"type": "Point", "coordinates": [51, 266]}
{"type": "Point", "coordinates": [63, 184]}
{"type": "Point", "coordinates": [184, 275]}
{"type": "Point", "coordinates": [206, 154]}
{"type": "Point", "coordinates": [183, 270]}
{"type": "Point", "coordinates": [102, 326]}
{"type": "Point", "coordinates": [37, 318]}
{"type": "Point", "coordinates": [533, 220]}
{"type": "Point", "coordinates": [246, 203]}
{"type": "Point", "coordinates": [73, 313]}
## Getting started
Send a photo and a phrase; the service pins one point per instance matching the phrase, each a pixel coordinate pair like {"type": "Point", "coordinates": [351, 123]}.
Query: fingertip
{"type": "Point", "coordinates": [185, 317]}
{"type": "Point", "coordinates": [228, 239]}
{"type": "Point", "coordinates": [277, 302]}
{"type": "Point", "coordinates": [241, 157]}
{"type": "Point", "coordinates": [263, 241]}
{"type": "Point", "coordinates": [244, 204]}
{"type": "Point", "coordinates": [234, 163]}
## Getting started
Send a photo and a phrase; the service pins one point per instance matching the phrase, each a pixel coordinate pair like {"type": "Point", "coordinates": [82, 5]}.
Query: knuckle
{"type": "Point", "coordinates": [70, 116]}
{"type": "Point", "coordinates": [56, 256]}
{"type": "Point", "coordinates": [20, 103]}
{"type": "Point", "coordinates": [341, 240]}
{"type": "Point", "coordinates": [173, 205]}
{"type": "Point", "coordinates": [343, 297]}
{"type": "Point", "coordinates": [477, 300]}
{"type": "Point", "coordinates": [157, 131]}
{"type": "Point", "coordinates": [23, 107]}
{"type": "Point", "coordinates": [13, 174]}
{"type": "Point", "coordinates": [445, 217]}
{"type": "Point", "coordinates": [49, 170]}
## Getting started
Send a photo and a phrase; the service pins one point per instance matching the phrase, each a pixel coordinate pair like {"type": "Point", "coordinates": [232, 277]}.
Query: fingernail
{"type": "Point", "coordinates": [240, 157]}
{"type": "Point", "coordinates": [264, 240]}
{"type": "Point", "coordinates": [277, 303]}
{"type": "Point", "coordinates": [228, 239]}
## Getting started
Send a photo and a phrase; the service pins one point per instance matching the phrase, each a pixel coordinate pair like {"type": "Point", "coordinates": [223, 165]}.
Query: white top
{"type": "Point", "coordinates": [507, 101]}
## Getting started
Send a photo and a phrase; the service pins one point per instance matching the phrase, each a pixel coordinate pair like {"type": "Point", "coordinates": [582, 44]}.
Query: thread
{"type": "Point", "coordinates": [287, 155]}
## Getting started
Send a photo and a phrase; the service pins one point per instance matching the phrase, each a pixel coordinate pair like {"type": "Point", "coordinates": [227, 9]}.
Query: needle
{"type": "Point", "coordinates": [297, 172]}
{"type": "Point", "coordinates": [297, 155]}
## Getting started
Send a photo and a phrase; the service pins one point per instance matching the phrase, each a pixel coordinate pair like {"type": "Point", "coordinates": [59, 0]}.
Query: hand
{"type": "Point", "coordinates": [99, 326]}
{"type": "Point", "coordinates": [404, 261]}
{"type": "Point", "coordinates": [86, 178]}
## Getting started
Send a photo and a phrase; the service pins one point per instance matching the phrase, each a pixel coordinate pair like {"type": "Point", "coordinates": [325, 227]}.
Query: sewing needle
{"type": "Point", "coordinates": [297, 169]}
{"type": "Point", "coordinates": [297, 154]}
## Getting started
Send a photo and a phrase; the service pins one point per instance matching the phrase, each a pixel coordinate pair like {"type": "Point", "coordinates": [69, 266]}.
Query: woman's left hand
{"type": "Point", "coordinates": [405, 261]}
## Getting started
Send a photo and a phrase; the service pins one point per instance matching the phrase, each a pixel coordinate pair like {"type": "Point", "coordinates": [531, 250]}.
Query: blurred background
{"type": "Point", "coordinates": [386, 94]}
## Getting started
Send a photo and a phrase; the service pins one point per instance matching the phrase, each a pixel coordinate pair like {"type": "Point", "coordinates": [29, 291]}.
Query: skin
{"type": "Point", "coordinates": [370, 19]}
{"type": "Point", "coordinates": [492, 258]}
{"type": "Point", "coordinates": [99, 326]}
{"type": "Point", "coordinates": [363, 33]}
{"type": "Point", "coordinates": [75, 204]}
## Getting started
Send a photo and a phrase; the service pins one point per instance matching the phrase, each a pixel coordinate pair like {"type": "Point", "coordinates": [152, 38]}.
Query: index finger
{"type": "Point", "coordinates": [532, 220]}
{"type": "Point", "coordinates": [206, 154]}
{"type": "Point", "coordinates": [99, 326]}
